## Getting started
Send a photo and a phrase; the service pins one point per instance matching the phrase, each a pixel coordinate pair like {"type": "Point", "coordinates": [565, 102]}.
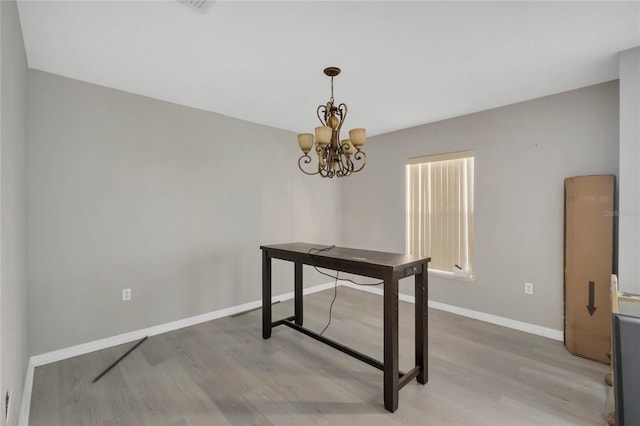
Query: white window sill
{"type": "Point", "coordinates": [452, 276]}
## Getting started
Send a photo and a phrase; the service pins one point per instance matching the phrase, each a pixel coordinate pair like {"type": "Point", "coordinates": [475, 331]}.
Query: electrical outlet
{"type": "Point", "coordinates": [528, 288]}
{"type": "Point", "coordinates": [126, 294]}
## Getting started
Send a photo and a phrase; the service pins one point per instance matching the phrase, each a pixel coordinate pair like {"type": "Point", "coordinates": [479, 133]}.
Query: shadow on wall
{"type": "Point", "coordinates": [222, 279]}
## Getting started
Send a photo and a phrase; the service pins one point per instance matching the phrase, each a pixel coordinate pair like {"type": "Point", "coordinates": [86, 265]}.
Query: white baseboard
{"type": "Point", "coordinates": [493, 319]}
{"type": "Point", "coordinates": [84, 348]}
{"type": "Point", "coordinates": [25, 404]}
{"type": "Point", "coordinates": [538, 330]}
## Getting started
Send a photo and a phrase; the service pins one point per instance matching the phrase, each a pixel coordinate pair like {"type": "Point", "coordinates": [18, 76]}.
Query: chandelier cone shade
{"type": "Point", "coordinates": [336, 157]}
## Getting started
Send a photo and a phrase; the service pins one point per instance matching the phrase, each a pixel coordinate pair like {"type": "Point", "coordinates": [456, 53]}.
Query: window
{"type": "Point", "coordinates": [440, 211]}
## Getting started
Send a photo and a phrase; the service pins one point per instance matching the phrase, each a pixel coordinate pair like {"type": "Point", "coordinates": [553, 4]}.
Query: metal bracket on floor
{"type": "Point", "coordinates": [118, 360]}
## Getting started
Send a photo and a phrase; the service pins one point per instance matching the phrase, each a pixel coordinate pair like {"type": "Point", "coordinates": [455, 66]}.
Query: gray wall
{"type": "Point", "coordinates": [523, 152]}
{"type": "Point", "coordinates": [172, 202]}
{"type": "Point", "coordinates": [629, 183]}
{"type": "Point", "coordinates": [13, 208]}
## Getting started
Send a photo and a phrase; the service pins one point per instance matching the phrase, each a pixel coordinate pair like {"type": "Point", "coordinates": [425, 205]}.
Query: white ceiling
{"type": "Point", "coordinates": [403, 63]}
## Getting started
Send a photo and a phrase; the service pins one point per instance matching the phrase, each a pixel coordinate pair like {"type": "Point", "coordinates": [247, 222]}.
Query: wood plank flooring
{"type": "Point", "coordinates": [223, 373]}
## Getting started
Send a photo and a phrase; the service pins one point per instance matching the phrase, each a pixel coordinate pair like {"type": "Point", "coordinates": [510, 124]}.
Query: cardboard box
{"type": "Point", "coordinates": [588, 264]}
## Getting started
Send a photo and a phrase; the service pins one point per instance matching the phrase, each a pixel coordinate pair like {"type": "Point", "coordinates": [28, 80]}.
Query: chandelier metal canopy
{"type": "Point", "coordinates": [335, 157]}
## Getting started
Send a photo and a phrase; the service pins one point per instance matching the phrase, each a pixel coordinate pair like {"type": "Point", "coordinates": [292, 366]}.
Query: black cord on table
{"type": "Point", "coordinates": [336, 276]}
{"type": "Point", "coordinates": [335, 287]}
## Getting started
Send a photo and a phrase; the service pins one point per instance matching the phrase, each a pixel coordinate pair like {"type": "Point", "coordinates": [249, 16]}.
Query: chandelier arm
{"type": "Point", "coordinates": [345, 146]}
{"type": "Point", "coordinates": [327, 157]}
{"type": "Point", "coordinates": [360, 156]}
{"type": "Point", "coordinates": [306, 159]}
{"type": "Point", "coordinates": [346, 173]}
{"type": "Point", "coordinates": [323, 118]}
{"type": "Point", "coordinates": [344, 164]}
{"type": "Point", "coordinates": [342, 112]}
{"type": "Point", "coordinates": [330, 161]}
{"type": "Point", "coordinates": [322, 158]}
{"type": "Point", "coordinates": [350, 166]}
{"type": "Point", "coordinates": [342, 108]}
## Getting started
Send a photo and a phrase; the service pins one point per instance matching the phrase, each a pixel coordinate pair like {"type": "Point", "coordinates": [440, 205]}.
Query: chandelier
{"type": "Point", "coordinates": [335, 157]}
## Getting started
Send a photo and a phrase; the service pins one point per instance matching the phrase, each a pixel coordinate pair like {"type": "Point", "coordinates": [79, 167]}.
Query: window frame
{"type": "Point", "coordinates": [470, 198]}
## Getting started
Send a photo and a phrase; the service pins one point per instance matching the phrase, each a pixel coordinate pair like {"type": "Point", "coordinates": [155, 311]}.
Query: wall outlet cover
{"type": "Point", "coordinates": [528, 288]}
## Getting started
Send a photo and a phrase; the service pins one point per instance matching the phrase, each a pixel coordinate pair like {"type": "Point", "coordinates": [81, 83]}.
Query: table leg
{"type": "Point", "coordinates": [422, 325]}
{"type": "Point", "coordinates": [391, 343]}
{"type": "Point", "coordinates": [266, 295]}
{"type": "Point", "coordinates": [298, 293]}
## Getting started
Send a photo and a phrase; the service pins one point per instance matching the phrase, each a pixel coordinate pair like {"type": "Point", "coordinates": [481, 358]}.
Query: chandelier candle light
{"type": "Point", "coordinates": [335, 157]}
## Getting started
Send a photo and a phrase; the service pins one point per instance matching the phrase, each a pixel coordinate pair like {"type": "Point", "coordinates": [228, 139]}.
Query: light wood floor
{"type": "Point", "coordinates": [223, 373]}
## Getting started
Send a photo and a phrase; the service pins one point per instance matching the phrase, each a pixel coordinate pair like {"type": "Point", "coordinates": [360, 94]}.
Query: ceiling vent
{"type": "Point", "coordinates": [201, 6]}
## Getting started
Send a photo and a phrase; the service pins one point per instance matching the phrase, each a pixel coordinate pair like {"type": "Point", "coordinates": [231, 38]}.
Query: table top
{"type": "Point", "coordinates": [378, 258]}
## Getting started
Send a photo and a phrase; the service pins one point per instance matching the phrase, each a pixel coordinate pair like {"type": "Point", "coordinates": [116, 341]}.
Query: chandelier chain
{"type": "Point", "coordinates": [331, 90]}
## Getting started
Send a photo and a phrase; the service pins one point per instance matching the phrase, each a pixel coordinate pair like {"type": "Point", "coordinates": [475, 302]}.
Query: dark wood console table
{"type": "Point", "coordinates": [389, 267]}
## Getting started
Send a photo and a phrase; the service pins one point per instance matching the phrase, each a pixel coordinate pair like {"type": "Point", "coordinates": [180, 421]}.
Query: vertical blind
{"type": "Point", "coordinates": [440, 210]}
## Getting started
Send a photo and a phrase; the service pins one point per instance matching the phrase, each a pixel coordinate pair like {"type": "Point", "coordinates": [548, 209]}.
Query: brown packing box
{"type": "Point", "coordinates": [588, 264]}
